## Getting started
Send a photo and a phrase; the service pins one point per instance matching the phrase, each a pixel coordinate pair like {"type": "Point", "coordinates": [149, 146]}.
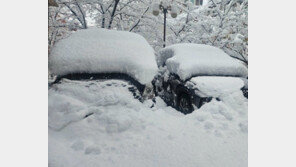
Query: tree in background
{"type": "Point", "coordinates": [52, 3]}
{"type": "Point", "coordinates": [220, 23]}
{"type": "Point", "coordinates": [72, 15]}
{"type": "Point", "coordinates": [62, 20]}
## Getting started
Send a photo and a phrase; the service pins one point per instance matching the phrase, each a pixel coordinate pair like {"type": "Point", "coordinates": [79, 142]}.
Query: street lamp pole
{"type": "Point", "coordinates": [165, 11]}
{"type": "Point", "coordinates": [165, 8]}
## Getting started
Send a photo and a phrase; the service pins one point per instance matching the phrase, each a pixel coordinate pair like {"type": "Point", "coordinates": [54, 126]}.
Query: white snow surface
{"type": "Point", "coordinates": [123, 132]}
{"type": "Point", "coordinates": [187, 60]}
{"type": "Point", "coordinates": [216, 86]}
{"type": "Point", "coordinates": [97, 50]}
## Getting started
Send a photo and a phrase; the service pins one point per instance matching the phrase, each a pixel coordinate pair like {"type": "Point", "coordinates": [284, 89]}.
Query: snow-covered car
{"type": "Point", "coordinates": [192, 74]}
{"type": "Point", "coordinates": [104, 54]}
{"type": "Point", "coordinates": [245, 87]}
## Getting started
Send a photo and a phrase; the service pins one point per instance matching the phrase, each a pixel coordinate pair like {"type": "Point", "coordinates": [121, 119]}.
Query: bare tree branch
{"type": "Point", "coordinates": [75, 14]}
{"type": "Point", "coordinates": [139, 19]}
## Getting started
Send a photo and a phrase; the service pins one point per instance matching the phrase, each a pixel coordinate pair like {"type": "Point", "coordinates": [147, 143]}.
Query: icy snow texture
{"type": "Point", "coordinates": [187, 60]}
{"type": "Point", "coordinates": [104, 51]}
{"type": "Point", "coordinates": [125, 132]}
{"type": "Point", "coordinates": [217, 86]}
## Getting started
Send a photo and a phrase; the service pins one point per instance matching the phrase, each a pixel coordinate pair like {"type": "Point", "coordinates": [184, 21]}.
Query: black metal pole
{"type": "Point", "coordinates": [164, 26]}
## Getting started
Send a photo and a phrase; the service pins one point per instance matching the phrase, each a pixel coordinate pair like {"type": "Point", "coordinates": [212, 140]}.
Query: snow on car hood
{"type": "Point", "coordinates": [187, 60]}
{"type": "Point", "coordinates": [217, 86]}
{"type": "Point", "coordinates": [97, 50]}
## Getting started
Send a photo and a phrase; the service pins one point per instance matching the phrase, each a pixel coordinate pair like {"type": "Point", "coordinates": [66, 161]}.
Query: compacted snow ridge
{"type": "Point", "coordinates": [187, 60]}
{"type": "Point", "coordinates": [97, 50]}
{"type": "Point", "coordinates": [100, 124]}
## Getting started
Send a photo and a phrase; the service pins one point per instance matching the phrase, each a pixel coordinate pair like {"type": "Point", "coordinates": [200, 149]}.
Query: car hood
{"type": "Point", "coordinates": [215, 86]}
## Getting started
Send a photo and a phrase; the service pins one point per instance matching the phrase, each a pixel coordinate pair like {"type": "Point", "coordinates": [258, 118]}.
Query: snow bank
{"type": "Point", "coordinates": [125, 132]}
{"type": "Point", "coordinates": [187, 60]}
{"type": "Point", "coordinates": [245, 82]}
{"type": "Point", "coordinates": [104, 51]}
{"type": "Point", "coordinates": [228, 90]}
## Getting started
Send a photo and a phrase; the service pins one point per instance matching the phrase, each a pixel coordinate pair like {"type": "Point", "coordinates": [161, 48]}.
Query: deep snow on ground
{"type": "Point", "coordinates": [123, 132]}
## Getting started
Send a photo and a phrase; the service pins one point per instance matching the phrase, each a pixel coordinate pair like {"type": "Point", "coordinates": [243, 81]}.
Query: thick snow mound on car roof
{"type": "Point", "coordinates": [104, 51]}
{"type": "Point", "coordinates": [187, 60]}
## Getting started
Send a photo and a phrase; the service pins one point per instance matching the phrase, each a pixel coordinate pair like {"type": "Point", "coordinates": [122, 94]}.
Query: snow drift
{"type": "Point", "coordinates": [187, 60]}
{"type": "Point", "coordinates": [125, 132]}
{"type": "Point", "coordinates": [104, 51]}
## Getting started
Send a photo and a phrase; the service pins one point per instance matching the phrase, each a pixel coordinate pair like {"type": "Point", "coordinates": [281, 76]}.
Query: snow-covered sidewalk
{"type": "Point", "coordinates": [123, 132]}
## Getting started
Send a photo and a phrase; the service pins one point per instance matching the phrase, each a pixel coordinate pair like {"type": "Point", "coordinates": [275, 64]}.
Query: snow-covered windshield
{"type": "Point", "coordinates": [188, 60]}
{"type": "Point", "coordinates": [97, 50]}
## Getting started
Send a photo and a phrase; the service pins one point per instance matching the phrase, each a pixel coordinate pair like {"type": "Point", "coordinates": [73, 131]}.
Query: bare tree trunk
{"type": "Point", "coordinates": [103, 19]}
{"type": "Point", "coordinates": [82, 14]}
{"type": "Point", "coordinates": [113, 13]}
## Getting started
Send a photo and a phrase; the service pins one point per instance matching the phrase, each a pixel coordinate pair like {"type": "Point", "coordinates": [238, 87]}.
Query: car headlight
{"type": "Point", "coordinates": [148, 92]}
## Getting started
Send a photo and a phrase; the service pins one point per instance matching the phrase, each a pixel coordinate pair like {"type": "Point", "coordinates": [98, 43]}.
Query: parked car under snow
{"type": "Point", "coordinates": [192, 74]}
{"type": "Point", "coordinates": [104, 54]}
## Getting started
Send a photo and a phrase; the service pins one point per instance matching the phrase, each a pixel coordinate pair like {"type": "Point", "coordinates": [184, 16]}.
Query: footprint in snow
{"type": "Point", "coordinates": [208, 125]}
{"type": "Point", "coordinates": [243, 127]}
{"type": "Point", "coordinates": [92, 150]}
{"type": "Point", "coordinates": [78, 145]}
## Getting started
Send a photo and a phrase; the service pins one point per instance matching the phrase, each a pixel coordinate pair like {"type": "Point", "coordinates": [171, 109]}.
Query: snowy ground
{"type": "Point", "coordinates": [122, 132]}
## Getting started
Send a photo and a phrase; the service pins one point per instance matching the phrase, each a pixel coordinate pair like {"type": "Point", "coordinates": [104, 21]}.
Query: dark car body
{"type": "Point", "coordinates": [172, 89]}
{"type": "Point", "coordinates": [186, 68]}
{"type": "Point", "coordinates": [138, 90]}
